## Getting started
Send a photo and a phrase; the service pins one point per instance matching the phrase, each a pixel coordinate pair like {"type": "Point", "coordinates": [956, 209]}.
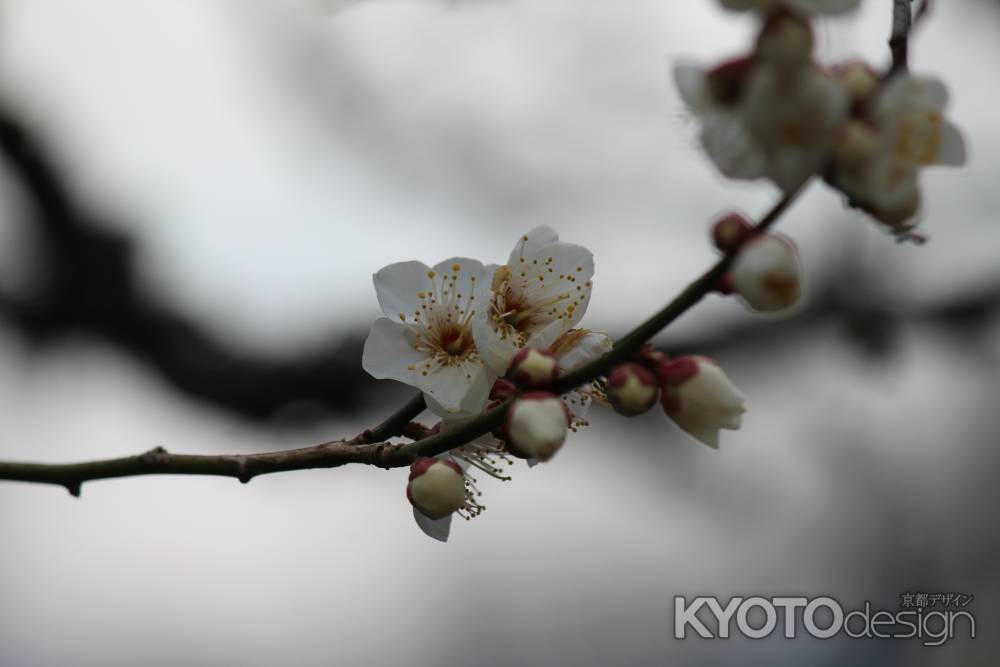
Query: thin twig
{"type": "Point", "coordinates": [899, 40]}
{"type": "Point", "coordinates": [394, 423]}
{"type": "Point", "coordinates": [364, 448]}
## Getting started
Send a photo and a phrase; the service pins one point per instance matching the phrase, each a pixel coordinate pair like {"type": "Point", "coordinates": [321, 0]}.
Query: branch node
{"type": "Point", "coordinates": [155, 455]}
{"type": "Point", "coordinates": [243, 474]}
{"type": "Point", "coordinates": [382, 455]}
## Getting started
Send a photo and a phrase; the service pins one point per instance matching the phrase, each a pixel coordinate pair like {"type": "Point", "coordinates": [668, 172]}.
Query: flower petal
{"type": "Point", "coordinates": [692, 87]}
{"type": "Point", "coordinates": [585, 350]}
{"type": "Point", "coordinates": [495, 350]}
{"type": "Point", "coordinates": [730, 147]}
{"type": "Point", "coordinates": [389, 352]}
{"type": "Point", "coordinates": [952, 151]}
{"type": "Point", "coordinates": [529, 244]}
{"type": "Point", "coordinates": [397, 286]}
{"type": "Point", "coordinates": [456, 390]}
{"type": "Point", "coordinates": [471, 276]}
{"type": "Point", "coordinates": [439, 529]}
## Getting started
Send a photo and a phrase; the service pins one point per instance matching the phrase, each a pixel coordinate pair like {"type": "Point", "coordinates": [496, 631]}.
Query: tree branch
{"type": "Point", "coordinates": [366, 448]}
{"type": "Point", "coordinates": [158, 461]}
{"type": "Point", "coordinates": [902, 20]}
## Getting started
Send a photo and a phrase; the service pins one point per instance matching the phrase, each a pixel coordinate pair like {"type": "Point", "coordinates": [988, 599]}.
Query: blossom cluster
{"type": "Point", "coordinates": [472, 336]}
{"type": "Point", "coordinates": [776, 113]}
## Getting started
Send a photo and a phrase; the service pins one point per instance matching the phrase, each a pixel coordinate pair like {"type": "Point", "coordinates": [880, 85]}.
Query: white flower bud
{"type": "Point", "coordinates": [786, 41]}
{"type": "Point", "coordinates": [533, 366]}
{"type": "Point", "coordinates": [766, 273]}
{"type": "Point", "coordinates": [632, 390]}
{"type": "Point", "coordinates": [436, 487]}
{"type": "Point", "coordinates": [537, 424]}
{"type": "Point", "coordinates": [700, 398]}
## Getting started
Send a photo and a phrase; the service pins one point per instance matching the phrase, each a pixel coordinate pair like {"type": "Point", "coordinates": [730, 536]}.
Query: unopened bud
{"type": "Point", "coordinates": [436, 487]}
{"type": "Point", "coordinates": [786, 41]}
{"type": "Point", "coordinates": [730, 231]}
{"type": "Point", "coordinates": [766, 273]}
{"type": "Point", "coordinates": [632, 389]}
{"type": "Point", "coordinates": [533, 366]}
{"type": "Point", "coordinates": [700, 398]}
{"type": "Point", "coordinates": [536, 426]}
{"type": "Point", "coordinates": [855, 146]}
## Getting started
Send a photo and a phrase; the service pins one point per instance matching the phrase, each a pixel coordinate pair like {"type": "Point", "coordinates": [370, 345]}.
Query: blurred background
{"type": "Point", "coordinates": [193, 198]}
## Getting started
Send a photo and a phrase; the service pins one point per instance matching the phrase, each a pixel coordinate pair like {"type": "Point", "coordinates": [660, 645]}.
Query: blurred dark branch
{"type": "Point", "coordinates": [91, 287]}
{"type": "Point", "coordinates": [903, 22]}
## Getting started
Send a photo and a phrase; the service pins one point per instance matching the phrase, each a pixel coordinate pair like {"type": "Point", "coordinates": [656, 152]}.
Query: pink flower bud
{"type": "Point", "coordinates": [436, 487]}
{"type": "Point", "coordinates": [700, 399]}
{"type": "Point", "coordinates": [730, 231]}
{"type": "Point", "coordinates": [533, 366]}
{"type": "Point", "coordinates": [536, 426]}
{"type": "Point", "coordinates": [632, 390]}
{"type": "Point", "coordinates": [766, 273]}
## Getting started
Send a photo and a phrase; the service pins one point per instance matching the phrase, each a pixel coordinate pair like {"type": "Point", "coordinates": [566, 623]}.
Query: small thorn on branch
{"type": "Point", "coordinates": [74, 488]}
{"type": "Point", "coordinates": [243, 473]}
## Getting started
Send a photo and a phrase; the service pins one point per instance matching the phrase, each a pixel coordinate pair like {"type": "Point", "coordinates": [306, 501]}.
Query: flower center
{"type": "Point", "coordinates": [919, 138]}
{"type": "Point", "coordinates": [441, 326]}
{"type": "Point", "coordinates": [456, 340]}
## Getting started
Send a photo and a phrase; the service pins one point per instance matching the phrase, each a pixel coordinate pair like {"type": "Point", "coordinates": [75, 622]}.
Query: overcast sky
{"type": "Point", "coordinates": [271, 156]}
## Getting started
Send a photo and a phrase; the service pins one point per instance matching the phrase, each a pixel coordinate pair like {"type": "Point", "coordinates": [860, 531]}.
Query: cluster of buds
{"type": "Point", "coordinates": [694, 392]}
{"type": "Point", "coordinates": [766, 273]}
{"type": "Point", "coordinates": [776, 113]}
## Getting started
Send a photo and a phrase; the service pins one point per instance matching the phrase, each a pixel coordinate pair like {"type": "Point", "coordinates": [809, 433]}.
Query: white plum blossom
{"type": "Point", "coordinates": [700, 398]}
{"type": "Point", "coordinates": [712, 96]}
{"type": "Point", "coordinates": [782, 126]}
{"type": "Point", "coordinates": [880, 155]}
{"type": "Point", "coordinates": [801, 6]}
{"type": "Point", "coordinates": [426, 338]}
{"type": "Point", "coordinates": [772, 114]}
{"type": "Point", "coordinates": [795, 119]}
{"type": "Point", "coordinates": [766, 273]}
{"type": "Point", "coordinates": [539, 294]}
